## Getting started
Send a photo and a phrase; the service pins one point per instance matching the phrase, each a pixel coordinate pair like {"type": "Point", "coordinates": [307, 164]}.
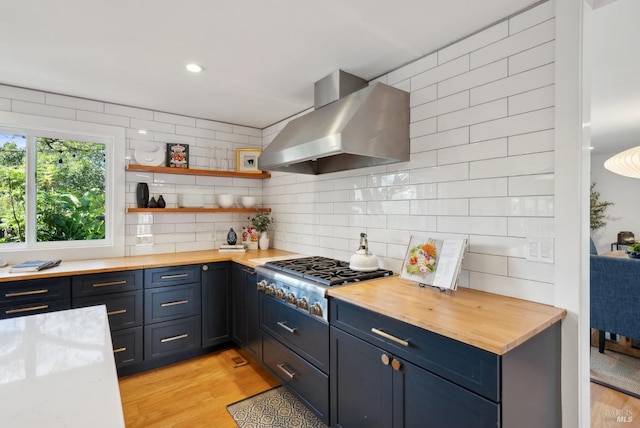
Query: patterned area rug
{"type": "Point", "coordinates": [275, 408]}
{"type": "Point", "coordinates": [617, 371]}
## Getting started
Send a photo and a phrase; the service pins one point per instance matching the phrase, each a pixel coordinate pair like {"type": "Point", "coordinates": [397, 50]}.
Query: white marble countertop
{"type": "Point", "coordinates": [57, 370]}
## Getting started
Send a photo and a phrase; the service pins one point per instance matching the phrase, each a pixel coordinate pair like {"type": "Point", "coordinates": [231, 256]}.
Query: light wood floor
{"type": "Point", "coordinates": [196, 392]}
{"type": "Point", "coordinates": [192, 393]}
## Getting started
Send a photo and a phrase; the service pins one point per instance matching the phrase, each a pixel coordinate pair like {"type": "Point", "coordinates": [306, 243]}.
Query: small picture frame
{"type": "Point", "coordinates": [247, 160]}
{"type": "Point", "coordinates": [177, 155]}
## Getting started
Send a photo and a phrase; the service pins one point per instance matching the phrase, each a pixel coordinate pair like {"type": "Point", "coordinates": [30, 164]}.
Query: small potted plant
{"type": "Point", "coordinates": [261, 222]}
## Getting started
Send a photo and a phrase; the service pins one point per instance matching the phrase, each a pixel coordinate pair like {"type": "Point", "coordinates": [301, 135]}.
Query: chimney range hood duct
{"type": "Point", "coordinates": [347, 129]}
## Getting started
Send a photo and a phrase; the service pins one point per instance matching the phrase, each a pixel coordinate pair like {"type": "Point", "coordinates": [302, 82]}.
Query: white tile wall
{"type": "Point", "coordinates": [159, 233]}
{"type": "Point", "coordinates": [482, 163]}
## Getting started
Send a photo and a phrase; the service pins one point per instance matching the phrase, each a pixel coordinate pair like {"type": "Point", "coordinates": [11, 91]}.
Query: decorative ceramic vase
{"type": "Point", "coordinates": [161, 202]}
{"type": "Point", "coordinates": [152, 203]}
{"type": "Point", "coordinates": [232, 237]}
{"type": "Point", "coordinates": [263, 242]}
{"type": "Point", "coordinates": [142, 195]}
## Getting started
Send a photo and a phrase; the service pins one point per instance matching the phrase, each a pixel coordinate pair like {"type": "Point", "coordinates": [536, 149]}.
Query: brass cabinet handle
{"type": "Point", "coordinates": [117, 312]}
{"type": "Point", "coordinates": [27, 293]}
{"type": "Point", "coordinates": [172, 338]}
{"type": "Point", "coordinates": [284, 325]}
{"type": "Point", "coordinates": [117, 350]}
{"type": "Point", "coordinates": [385, 359]}
{"type": "Point", "coordinates": [177, 302]}
{"type": "Point", "coordinates": [396, 364]}
{"type": "Point", "coordinates": [285, 371]}
{"type": "Point", "coordinates": [107, 284]}
{"type": "Point", "coordinates": [402, 342]}
{"type": "Point", "coordinates": [29, 309]}
{"type": "Point", "coordinates": [179, 275]}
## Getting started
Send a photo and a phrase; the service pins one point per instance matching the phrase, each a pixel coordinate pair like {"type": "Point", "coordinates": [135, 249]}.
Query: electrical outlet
{"type": "Point", "coordinates": [540, 250]}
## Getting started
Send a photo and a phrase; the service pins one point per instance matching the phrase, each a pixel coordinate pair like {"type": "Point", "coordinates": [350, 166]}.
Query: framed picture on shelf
{"type": "Point", "coordinates": [247, 160]}
{"type": "Point", "coordinates": [177, 155]}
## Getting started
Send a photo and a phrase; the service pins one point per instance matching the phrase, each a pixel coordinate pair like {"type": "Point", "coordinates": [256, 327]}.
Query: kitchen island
{"type": "Point", "coordinates": [57, 370]}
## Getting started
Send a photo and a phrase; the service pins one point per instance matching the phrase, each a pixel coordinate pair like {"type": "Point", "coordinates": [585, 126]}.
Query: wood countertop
{"type": "Point", "coordinates": [251, 258]}
{"type": "Point", "coordinates": [487, 321]}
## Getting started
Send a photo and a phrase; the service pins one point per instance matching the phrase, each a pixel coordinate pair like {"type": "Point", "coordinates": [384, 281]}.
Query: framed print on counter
{"type": "Point", "coordinates": [247, 160]}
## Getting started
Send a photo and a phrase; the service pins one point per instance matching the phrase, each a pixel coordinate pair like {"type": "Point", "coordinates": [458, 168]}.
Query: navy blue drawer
{"type": "Point", "coordinates": [103, 283]}
{"type": "Point", "coordinates": [34, 308]}
{"type": "Point", "coordinates": [174, 275]}
{"type": "Point", "coordinates": [462, 364]}
{"type": "Point", "coordinates": [127, 346]}
{"type": "Point", "coordinates": [124, 309]}
{"type": "Point", "coordinates": [307, 382]}
{"type": "Point", "coordinates": [168, 303]}
{"type": "Point", "coordinates": [35, 290]}
{"type": "Point", "coordinates": [171, 337]}
{"type": "Point", "coordinates": [307, 336]}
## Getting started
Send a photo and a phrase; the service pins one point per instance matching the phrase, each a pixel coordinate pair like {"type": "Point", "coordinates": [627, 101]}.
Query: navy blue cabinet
{"type": "Point", "coordinates": [245, 304]}
{"type": "Point", "coordinates": [387, 373]}
{"type": "Point", "coordinates": [216, 304]}
{"type": "Point", "coordinates": [34, 296]}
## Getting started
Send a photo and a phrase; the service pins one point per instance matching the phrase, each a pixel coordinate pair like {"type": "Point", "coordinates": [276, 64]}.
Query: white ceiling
{"type": "Point", "coordinates": [615, 93]}
{"type": "Point", "coordinates": [260, 57]}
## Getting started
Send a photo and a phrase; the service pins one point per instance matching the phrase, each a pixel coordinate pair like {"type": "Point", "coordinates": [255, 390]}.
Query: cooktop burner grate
{"type": "Point", "coordinates": [325, 271]}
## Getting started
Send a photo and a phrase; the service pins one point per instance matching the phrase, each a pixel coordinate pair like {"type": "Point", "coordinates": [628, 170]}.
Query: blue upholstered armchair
{"type": "Point", "coordinates": [615, 296]}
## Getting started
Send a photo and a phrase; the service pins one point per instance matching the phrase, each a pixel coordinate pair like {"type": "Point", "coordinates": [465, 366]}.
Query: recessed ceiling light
{"type": "Point", "coordinates": [194, 68]}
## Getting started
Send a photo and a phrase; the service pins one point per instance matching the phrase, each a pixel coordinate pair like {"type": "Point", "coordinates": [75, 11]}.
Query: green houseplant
{"type": "Point", "coordinates": [261, 222]}
{"type": "Point", "coordinates": [598, 208]}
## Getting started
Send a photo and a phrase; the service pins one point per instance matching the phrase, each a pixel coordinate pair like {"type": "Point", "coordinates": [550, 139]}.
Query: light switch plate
{"type": "Point", "coordinates": [540, 249]}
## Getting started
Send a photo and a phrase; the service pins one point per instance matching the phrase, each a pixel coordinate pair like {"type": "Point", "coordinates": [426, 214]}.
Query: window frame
{"type": "Point", "coordinates": [113, 245]}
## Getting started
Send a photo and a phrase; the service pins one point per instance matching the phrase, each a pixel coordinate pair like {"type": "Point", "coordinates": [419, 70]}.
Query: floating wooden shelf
{"type": "Point", "coordinates": [192, 171]}
{"type": "Point", "coordinates": [197, 210]}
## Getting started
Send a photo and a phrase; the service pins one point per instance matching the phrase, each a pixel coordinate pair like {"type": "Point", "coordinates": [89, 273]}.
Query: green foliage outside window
{"type": "Point", "coordinates": [70, 185]}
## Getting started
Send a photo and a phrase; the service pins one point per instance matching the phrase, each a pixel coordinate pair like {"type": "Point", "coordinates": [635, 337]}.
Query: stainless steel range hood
{"type": "Point", "coordinates": [368, 127]}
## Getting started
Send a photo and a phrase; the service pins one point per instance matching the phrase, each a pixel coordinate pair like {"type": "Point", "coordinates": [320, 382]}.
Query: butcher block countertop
{"type": "Point", "coordinates": [487, 321]}
{"type": "Point", "coordinates": [249, 258]}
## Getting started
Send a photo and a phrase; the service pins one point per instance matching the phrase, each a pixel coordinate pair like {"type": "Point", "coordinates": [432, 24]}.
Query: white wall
{"type": "Point", "coordinates": [622, 191]}
{"type": "Point", "coordinates": [482, 165]}
{"type": "Point", "coordinates": [158, 233]}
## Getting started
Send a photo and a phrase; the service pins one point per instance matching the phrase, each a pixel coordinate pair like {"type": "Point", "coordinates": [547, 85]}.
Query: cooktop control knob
{"type": "Point", "coordinates": [262, 285]}
{"type": "Point", "coordinates": [271, 289]}
{"type": "Point", "coordinates": [280, 294]}
{"type": "Point", "coordinates": [303, 304]}
{"type": "Point", "coordinates": [316, 309]}
{"type": "Point", "coordinates": [291, 298]}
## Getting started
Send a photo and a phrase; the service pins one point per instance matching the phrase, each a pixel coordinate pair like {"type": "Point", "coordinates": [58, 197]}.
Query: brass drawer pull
{"type": "Point", "coordinates": [284, 325]}
{"type": "Point", "coordinates": [124, 348]}
{"type": "Point", "coordinates": [390, 337]}
{"type": "Point", "coordinates": [178, 302]}
{"type": "Point", "coordinates": [179, 275]}
{"type": "Point", "coordinates": [285, 371]}
{"type": "Point", "coordinates": [29, 309]}
{"type": "Point", "coordinates": [107, 284]}
{"type": "Point", "coordinates": [27, 293]}
{"type": "Point", "coordinates": [117, 312]}
{"type": "Point", "coordinates": [171, 339]}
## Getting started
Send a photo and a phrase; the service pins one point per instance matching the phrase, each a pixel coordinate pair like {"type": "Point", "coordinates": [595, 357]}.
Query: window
{"type": "Point", "coordinates": [57, 190]}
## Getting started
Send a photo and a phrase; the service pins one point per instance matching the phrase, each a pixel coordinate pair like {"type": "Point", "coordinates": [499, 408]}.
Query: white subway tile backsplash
{"type": "Point", "coordinates": [412, 69]}
{"type": "Point", "coordinates": [153, 126]}
{"type": "Point", "coordinates": [532, 58]}
{"type": "Point", "coordinates": [474, 151]}
{"type": "Point", "coordinates": [531, 185]}
{"type": "Point", "coordinates": [5, 104]}
{"type": "Point", "coordinates": [440, 173]}
{"type": "Point", "coordinates": [533, 142]}
{"type": "Point", "coordinates": [436, 207]}
{"type": "Point", "coordinates": [212, 125]}
{"type": "Point", "coordinates": [422, 127]}
{"type": "Point", "coordinates": [132, 112]}
{"type": "Point", "coordinates": [533, 206]}
{"type": "Point", "coordinates": [479, 76]}
{"type": "Point", "coordinates": [42, 110]}
{"type": "Point", "coordinates": [193, 131]}
{"type": "Point", "coordinates": [441, 106]}
{"type": "Point", "coordinates": [388, 207]}
{"type": "Point", "coordinates": [477, 114]}
{"type": "Point", "coordinates": [453, 137]}
{"type": "Point", "coordinates": [531, 227]}
{"type": "Point", "coordinates": [234, 138]}
{"type": "Point", "coordinates": [174, 118]}
{"type": "Point", "coordinates": [73, 102]}
{"type": "Point", "coordinates": [497, 245]}
{"type": "Point", "coordinates": [537, 163]}
{"type": "Point", "coordinates": [535, 291]}
{"type": "Point", "coordinates": [246, 130]}
{"type": "Point", "coordinates": [533, 100]}
{"type": "Point", "coordinates": [22, 94]}
{"type": "Point", "coordinates": [106, 119]}
{"type": "Point", "coordinates": [474, 42]}
{"type": "Point", "coordinates": [531, 17]}
{"type": "Point", "coordinates": [534, 271]}
{"type": "Point", "coordinates": [515, 84]}
{"type": "Point", "coordinates": [440, 73]}
{"type": "Point", "coordinates": [519, 42]}
{"type": "Point", "coordinates": [424, 95]}
{"type": "Point", "coordinates": [411, 223]}
{"type": "Point", "coordinates": [463, 224]}
{"type": "Point", "coordinates": [538, 120]}
{"type": "Point", "coordinates": [473, 188]}
{"type": "Point", "coordinates": [485, 263]}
